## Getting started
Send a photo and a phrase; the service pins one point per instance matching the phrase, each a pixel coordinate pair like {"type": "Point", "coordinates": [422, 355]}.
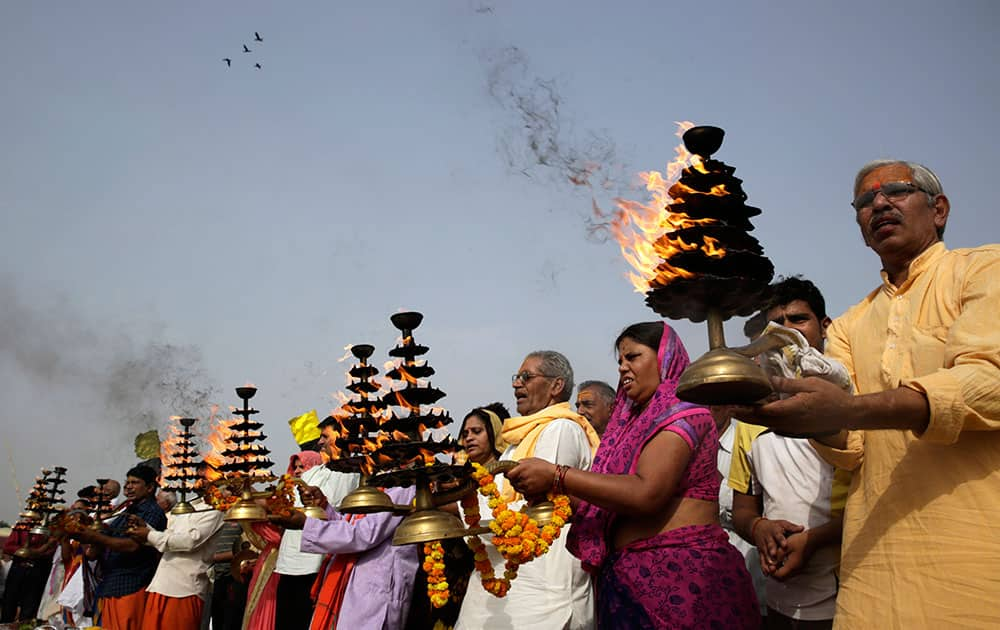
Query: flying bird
{"type": "Point", "coordinates": [229, 62]}
{"type": "Point", "coordinates": [257, 37]}
{"type": "Point", "coordinates": [245, 49]}
{"type": "Point", "coordinates": [256, 65]}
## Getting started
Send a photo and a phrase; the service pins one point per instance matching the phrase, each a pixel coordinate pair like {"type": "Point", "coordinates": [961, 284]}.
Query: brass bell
{"type": "Point", "coordinates": [39, 530]}
{"type": "Point", "coordinates": [427, 525]}
{"type": "Point", "coordinates": [725, 376]}
{"type": "Point", "coordinates": [314, 511]}
{"type": "Point", "coordinates": [366, 500]}
{"type": "Point", "coordinates": [183, 507]}
{"type": "Point", "coordinates": [541, 512]}
{"type": "Point", "coordinates": [246, 510]}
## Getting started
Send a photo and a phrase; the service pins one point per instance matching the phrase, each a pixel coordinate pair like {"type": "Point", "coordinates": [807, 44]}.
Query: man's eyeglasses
{"type": "Point", "coordinates": [893, 191]}
{"type": "Point", "coordinates": [524, 377]}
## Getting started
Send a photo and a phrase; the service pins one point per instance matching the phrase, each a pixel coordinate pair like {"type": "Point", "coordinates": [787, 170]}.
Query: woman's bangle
{"type": "Point", "coordinates": [559, 479]}
{"type": "Point", "coordinates": [753, 527]}
{"type": "Point", "coordinates": [561, 486]}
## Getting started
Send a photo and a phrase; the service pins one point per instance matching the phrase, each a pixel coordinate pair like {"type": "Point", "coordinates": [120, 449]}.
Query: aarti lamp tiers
{"type": "Point", "coordinates": [726, 275]}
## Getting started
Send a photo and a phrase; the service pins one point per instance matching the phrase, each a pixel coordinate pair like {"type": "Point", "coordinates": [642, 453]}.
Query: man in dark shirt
{"type": "Point", "coordinates": [128, 566]}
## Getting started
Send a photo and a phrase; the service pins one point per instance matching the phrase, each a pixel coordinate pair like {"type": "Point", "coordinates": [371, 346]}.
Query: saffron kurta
{"type": "Point", "coordinates": [921, 535]}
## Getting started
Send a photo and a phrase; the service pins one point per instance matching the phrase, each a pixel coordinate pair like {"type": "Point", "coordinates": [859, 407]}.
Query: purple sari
{"type": "Point", "coordinates": [690, 577]}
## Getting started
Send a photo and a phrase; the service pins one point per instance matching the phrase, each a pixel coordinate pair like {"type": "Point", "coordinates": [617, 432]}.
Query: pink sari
{"type": "Point", "coordinates": [690, 577]}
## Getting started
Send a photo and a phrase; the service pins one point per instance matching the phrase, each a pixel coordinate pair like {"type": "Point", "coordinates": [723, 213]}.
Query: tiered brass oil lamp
{"type": "Point", "coordinates": [406, 457]}
{"type": "Point", "coordinates": [247, 462]}
{"type": "Point", "coordinates": [180, 465]}
{"type": "Point", "coordinates": [51, 498]}
{"type": "Point", "coordinates": [711, 269]}
{"type": "Point", "coordinates": [358, 430]}
{"type": "Point", "coordinates": [101, 504]}
{"type": "Point", "coordinates": [42, 503]}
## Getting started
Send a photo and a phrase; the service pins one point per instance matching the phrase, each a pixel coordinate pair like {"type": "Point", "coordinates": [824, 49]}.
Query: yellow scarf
{"type": "Point", "coordinates": [524, 431]}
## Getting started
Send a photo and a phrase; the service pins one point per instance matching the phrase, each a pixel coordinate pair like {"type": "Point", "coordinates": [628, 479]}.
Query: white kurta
{"type": "Point", "coordinates": [187, 545]}
{"type": "Point", "coordinates": [551, 592]}
{"type": "Point", "coordinates": [335, 486]}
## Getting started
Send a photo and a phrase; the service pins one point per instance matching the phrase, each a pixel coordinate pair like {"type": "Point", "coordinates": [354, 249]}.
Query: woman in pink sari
{"type": "Point", "coordinates": [647, 523]}
{"type": "Point", "coordinates": [262, 593]}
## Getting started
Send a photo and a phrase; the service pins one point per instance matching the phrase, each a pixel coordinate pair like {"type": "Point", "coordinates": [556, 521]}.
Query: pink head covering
{"type": "Point", "coordinates": [309, 459]}
{"type": "Point", "coordinates": [627, 433]}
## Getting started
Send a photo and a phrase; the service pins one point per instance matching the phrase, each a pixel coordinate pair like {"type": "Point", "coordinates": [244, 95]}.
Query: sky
{"type": "Point", "coordinates": [171, 228]}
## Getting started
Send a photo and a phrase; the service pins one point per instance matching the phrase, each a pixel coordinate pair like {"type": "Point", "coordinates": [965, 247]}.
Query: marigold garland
{"type": "Point", "coordinates": [437, 583]}
{"type": "Point", "coordinates": [515, 535]}
{"type": "Point", "coordinates": [214, 496]}
{"type": "Point", "coordinates": [282, 501]}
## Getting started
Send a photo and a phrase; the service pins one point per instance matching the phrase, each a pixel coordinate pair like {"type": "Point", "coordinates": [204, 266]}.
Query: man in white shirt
{"type": "Point", "coordinates": [787, 500]}
{"type": "Point", "coordinates": [552, 591]}
{"type": "Point", "coordinates": [180, 586]}
{"type": "Point", "coordinates": [727, 431]}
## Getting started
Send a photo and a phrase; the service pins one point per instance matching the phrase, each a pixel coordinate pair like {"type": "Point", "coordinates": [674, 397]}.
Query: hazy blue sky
{"type": "Point", "coordinates": [169, 225]}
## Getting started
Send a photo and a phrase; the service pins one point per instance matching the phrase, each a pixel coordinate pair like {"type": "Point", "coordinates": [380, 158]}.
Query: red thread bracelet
{"type": "Point", "coordinates": [753, 527]}
{"type": "Point", "coordinates": [562, 479]}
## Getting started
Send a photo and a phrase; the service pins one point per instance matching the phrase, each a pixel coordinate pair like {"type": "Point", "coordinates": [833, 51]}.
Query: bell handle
{"type": "Point", "coordinates": [455, 494]}
{"type": "Point", "coordinates": [469, 485]}
{"type": "Point", "coordinates": [760, 345]}
{"type": "Point", "coordinates": [501, 467]}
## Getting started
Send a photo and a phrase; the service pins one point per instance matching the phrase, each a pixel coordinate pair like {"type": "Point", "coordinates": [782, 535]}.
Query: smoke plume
{"type": "Point", "coordinates": [539, 139]}
{"type": "Point", "coordinates": [136, 383]}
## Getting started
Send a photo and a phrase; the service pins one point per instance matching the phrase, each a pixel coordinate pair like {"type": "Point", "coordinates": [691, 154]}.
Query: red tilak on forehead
{"type": "Point", "coordinates": [877, 186]}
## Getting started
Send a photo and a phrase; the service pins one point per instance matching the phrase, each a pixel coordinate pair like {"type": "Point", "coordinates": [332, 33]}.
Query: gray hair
{"type": "Point", "coordinates": [168, 497]}
{"type": "Point", "coordinates": [923, 177]}
{"type": "Point", "coordinates": [556, 365]}
{"type": "Point", "coordinates": [600, 388]}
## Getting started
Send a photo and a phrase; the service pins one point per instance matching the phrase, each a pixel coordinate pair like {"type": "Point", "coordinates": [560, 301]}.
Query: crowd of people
{"type": "Point", "coordinates": [856, 496]}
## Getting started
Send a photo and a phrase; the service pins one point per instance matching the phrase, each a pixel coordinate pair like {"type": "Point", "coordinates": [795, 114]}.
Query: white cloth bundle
{"type": "Point", "coordinates": [797, 359]}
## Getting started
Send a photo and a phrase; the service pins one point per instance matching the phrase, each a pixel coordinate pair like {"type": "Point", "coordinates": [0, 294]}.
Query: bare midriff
{"type": "Point", "coordinates": [680, 512]}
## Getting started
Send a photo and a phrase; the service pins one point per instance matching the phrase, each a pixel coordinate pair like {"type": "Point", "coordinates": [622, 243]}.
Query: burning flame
{"type": "Point", "coordinates": [638, 227]}
{"type": "Point", "coordinates": [409, 378]}
{"type": "Point", "coordinates": [347, 353]}
{"type": "Point", "coordinates": [218, 442]}
{"type": "Point", "coordinates": [342, 398]}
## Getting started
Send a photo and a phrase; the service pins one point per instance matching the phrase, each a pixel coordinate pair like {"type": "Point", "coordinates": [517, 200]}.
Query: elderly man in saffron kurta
{"type": "Point", "coordinates": [920, 527]}
{"type": "Point", "coordinates": [180, 587]}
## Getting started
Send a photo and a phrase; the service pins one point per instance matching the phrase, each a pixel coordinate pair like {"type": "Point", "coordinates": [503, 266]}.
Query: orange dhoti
{"type": "Point", "coordinates": [122, 613]}
{"type": "Point", "coordinates": [172, 613]}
